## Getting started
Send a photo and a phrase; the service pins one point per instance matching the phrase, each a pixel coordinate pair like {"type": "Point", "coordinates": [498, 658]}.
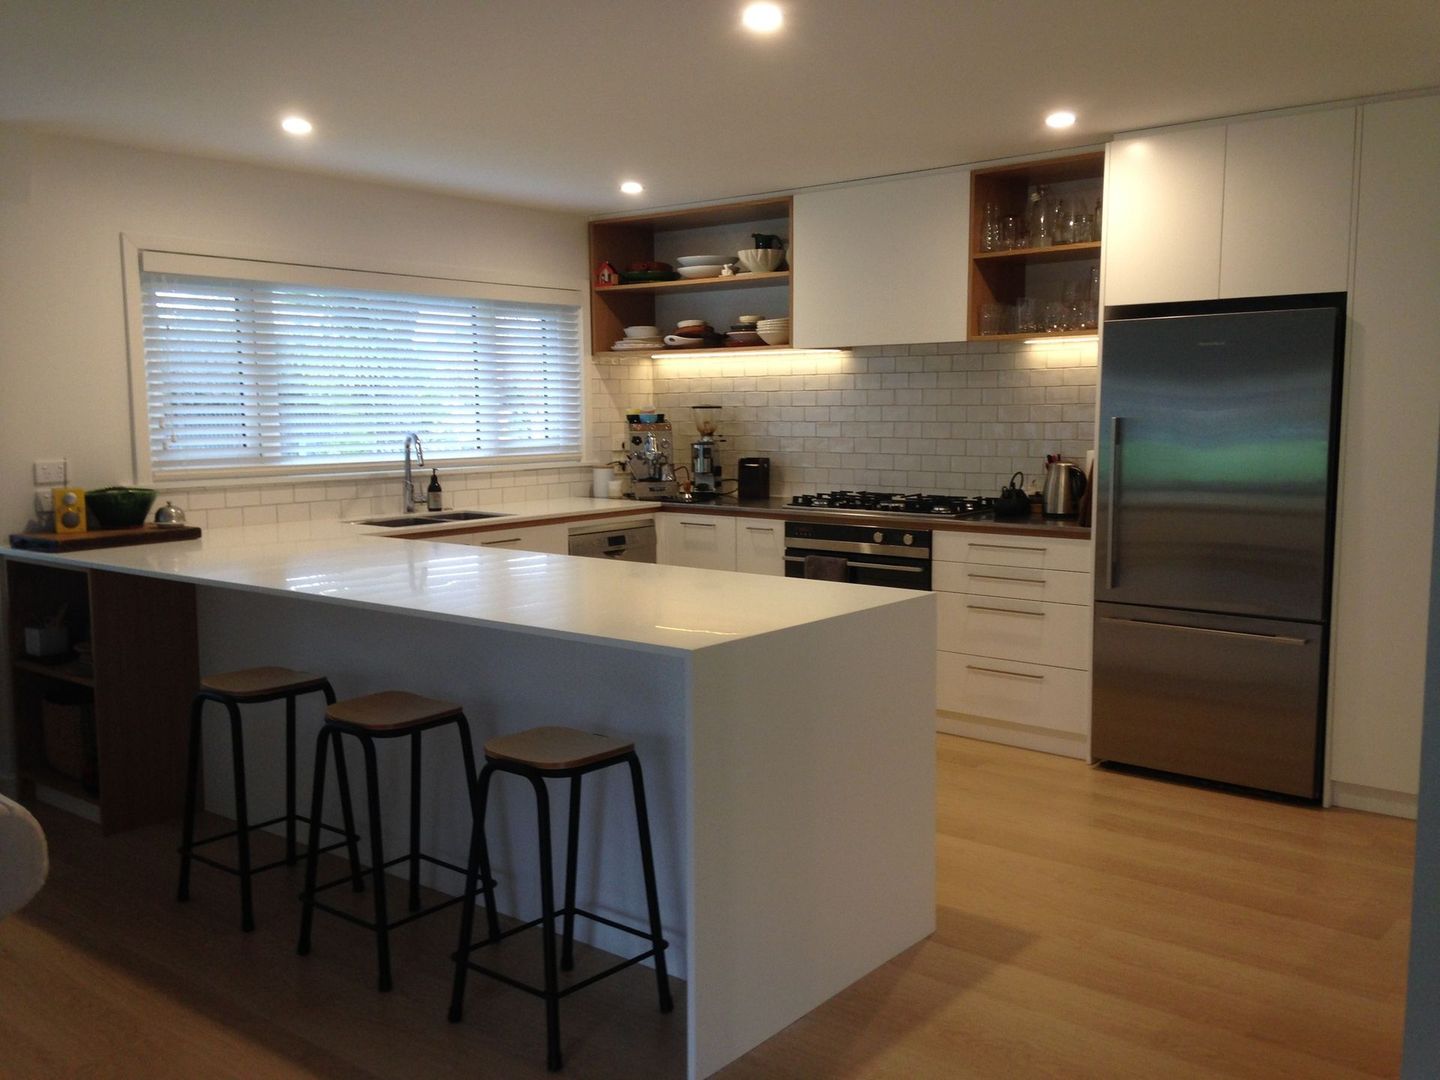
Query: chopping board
{"type": "Point", "coordinates": [103, 538]}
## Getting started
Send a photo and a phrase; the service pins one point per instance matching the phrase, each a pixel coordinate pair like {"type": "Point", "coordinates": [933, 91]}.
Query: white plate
{"type": "Point", "coordinates": [712, 270]}
{"type": "Point", "coordinates": [702, 260]}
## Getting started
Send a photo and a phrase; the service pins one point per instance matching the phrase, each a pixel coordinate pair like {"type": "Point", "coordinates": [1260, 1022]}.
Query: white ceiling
{"type": "Point", "coordinates": [553, 102]}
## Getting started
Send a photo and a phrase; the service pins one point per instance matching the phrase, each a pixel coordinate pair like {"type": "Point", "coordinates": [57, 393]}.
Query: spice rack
{"type": "Point", "coordinates": [1061, 273]}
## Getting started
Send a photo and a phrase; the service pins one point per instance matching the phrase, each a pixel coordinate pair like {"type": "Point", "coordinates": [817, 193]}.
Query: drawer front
{"type": "Point", "coordinates": [1056, 635]}
{"type": "Point", "coordinates": [1031, 694]}
{"type": "Point", "coordinates": [1016, 582]}
{"type": "Point", "coordinates": [760, 547]}
{"type": "Point", "coordinates": [1037, 554]}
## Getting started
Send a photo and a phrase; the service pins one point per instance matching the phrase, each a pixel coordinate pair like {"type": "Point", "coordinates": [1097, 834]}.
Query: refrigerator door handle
{"type": "Point", "coordinates": [1110, 503]}
{"type": "Point", "coordinates": [1273, 639]}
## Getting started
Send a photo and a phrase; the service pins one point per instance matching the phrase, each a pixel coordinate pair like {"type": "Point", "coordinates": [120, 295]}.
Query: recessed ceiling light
{"type": "Point", "coordinates": [297, 125]}
{"type": "Point", "coordinates": [762, 18]}
{"type": "Point", "coordinates": [1061, 119]}
{"type": "Point", "coordinates": [632, 187]}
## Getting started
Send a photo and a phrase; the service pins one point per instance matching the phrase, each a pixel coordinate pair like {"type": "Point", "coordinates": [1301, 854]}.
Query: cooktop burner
{"type": "Point", "coordinates": [934, 505]}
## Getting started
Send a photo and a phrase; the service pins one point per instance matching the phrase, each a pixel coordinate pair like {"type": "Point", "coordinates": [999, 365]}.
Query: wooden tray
{"type": "Point", "coordinates": [103, 538]}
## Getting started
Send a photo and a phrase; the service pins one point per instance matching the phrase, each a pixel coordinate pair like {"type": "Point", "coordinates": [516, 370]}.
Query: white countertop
{"type": "Point", "coordinates": [635, 605]}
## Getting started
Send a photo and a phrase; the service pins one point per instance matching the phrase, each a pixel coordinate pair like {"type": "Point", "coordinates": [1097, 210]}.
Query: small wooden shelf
{"type": "Point", "coordinates": [1034, 334]}
{"type": "Point", "coordinates": [706, 351]}
{"type": "Point", "coordinates": [1055, 253]}
{"type": "Point", "coordinates": [70, 671]}
{"type": "Point", "coordinates": [738, 281]}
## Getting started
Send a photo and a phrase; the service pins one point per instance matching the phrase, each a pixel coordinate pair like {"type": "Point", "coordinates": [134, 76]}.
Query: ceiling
{"type": "Point", "coordinates": [554, 102]}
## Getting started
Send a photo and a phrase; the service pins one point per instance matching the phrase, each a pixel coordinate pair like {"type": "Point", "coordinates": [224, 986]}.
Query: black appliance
{"type": "Point", "coordinates": [1214, 532]}
{"type": "Point", "coordinates": [754, 475]}
{"type": "Point", "coordinates": [951, 506]}
{"type": "Point", "coordinates": [899, 558]}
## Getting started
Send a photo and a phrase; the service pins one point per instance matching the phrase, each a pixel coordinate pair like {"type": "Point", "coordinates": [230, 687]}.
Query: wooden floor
{"type": "Point", "coordinates": [1091, 924]}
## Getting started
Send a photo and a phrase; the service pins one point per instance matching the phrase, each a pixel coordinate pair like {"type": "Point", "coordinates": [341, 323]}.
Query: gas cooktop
{"type": "Point", "coordinates": [952, 506]}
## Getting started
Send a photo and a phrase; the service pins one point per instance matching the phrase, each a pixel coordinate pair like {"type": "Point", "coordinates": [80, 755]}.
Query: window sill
{"type": "Point", "coordinates": [395, 472]}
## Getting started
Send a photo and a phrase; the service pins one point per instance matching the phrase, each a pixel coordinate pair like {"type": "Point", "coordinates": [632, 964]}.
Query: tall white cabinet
{"type": "Point", "coordinates": [1391, 419]}
{"type": "Point", "coordinates": [886, 262]}
{"type": "Point", "coordinates": [1250, 208]}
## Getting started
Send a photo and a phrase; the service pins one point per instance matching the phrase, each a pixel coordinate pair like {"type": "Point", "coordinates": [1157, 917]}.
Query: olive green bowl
{"type": "Point", "coordinates": [119, 507]}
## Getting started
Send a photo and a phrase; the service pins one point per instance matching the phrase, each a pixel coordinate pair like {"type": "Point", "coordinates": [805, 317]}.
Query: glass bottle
{"type": "Point", "coordinates": [432, 493]}
{"type": "Point", "coordinates": [1042, 222]}
{"type": "Point", "coordinates": [990, 233]}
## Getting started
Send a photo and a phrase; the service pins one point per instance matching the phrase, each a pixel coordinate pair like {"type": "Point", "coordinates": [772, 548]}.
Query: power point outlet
{"type": "Point", "coordinates": [44, 502]}
{"type": "Point", "coordinates": [51, 471]}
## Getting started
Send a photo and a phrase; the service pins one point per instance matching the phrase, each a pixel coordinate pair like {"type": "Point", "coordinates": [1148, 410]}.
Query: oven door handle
{"type": "Point", "coordinates": [866, 565]}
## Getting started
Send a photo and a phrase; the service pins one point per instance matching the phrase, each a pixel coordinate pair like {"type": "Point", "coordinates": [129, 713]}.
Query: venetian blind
{"type": "Point", "coordinates": [262, 367]}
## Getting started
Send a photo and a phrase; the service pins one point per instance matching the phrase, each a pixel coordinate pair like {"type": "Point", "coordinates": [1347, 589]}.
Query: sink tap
{"type": "Point", "coordinates": [408, 502]}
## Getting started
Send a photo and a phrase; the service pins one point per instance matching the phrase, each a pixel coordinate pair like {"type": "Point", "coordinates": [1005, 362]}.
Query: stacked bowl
{"type": "Point", "coordinates": [701, 266]}
{"type": "Point", "coordinates": [774, 331]}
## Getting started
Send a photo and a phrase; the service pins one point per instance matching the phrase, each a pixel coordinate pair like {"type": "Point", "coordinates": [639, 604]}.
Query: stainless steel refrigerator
{"type": "Point", "coordinates": [1214, 529]}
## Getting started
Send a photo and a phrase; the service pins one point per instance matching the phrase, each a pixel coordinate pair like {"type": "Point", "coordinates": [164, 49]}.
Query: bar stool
{"type": "Point", "coordinates": [537, 755]}
{"type": "Point", "coordinates": [252, 686]}
{"type": "Point", "coordinates": [388, 714]}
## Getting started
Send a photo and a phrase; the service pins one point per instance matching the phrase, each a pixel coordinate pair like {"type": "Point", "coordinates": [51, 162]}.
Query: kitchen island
{"type": "Point", "coordinates": [786, 728]}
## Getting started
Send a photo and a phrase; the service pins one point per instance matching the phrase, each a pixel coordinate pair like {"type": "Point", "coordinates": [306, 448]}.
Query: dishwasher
{"type": "Point", "coordinates": [614, 540]}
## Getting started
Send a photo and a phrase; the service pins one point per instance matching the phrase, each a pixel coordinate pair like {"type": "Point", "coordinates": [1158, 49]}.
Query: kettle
{"type": "Point", "coordinates": [1064, 484]}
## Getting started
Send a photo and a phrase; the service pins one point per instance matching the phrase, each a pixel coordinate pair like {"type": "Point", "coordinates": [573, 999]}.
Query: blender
{"type": "Point", "coordinates": [704, 466]}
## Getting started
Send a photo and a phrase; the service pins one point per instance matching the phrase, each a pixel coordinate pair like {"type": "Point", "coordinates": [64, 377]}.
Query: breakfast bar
{"type": "Point", "coordinates": [791, 789]}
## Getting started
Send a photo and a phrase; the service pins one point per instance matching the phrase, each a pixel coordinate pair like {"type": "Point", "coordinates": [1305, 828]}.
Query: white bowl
{"type": "Point", "coordinates": [760, 260]}
{"type": "Point", "coordinates": [642, 331]}
{"type": "Point", "coordinates": [691, 322]}
{"type": "Point", "coordinates": [775, 337]}
{"type": "Point", "coordinates": [712, 270]}
{"type": "Point", "coordinates": [702, 260]}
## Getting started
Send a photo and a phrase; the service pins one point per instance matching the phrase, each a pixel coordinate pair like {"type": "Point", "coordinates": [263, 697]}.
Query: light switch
{"type": "Point", "coordinates": [51, 471]}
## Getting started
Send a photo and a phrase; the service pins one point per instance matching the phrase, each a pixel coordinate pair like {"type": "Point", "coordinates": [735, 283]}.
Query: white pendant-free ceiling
{"type": "Point", "coordinates": [554, 102]}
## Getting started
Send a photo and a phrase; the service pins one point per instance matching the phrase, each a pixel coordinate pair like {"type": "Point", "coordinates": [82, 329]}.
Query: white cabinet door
{"type": "Point", "coordinates": [1055, 699]}
{"type": "Point", "coordinates": [551, 539]}
{"type": "Point", "coordinates": [1003, 550]}
{"type": "Point", "coordinates": [706, 541]}
{"type": "Point", "coordinates": [1163, 197]}
{"type": "Point", "coordinates": [1288, 187]}
{"type": "Point", "coordinates": [883, 263]}
{"type": "Point", "coordinates": [760, 547]}
{"type": "Point", "coordinates": [1032, 632]}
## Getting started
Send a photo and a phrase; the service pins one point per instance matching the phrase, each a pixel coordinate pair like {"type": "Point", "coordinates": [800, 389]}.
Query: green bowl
{"type": "Point", "coordinates": [119, 507]}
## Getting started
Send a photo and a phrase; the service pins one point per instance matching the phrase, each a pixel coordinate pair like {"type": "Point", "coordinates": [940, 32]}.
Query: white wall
{"type": "Point", "coordinates": [64, 203]}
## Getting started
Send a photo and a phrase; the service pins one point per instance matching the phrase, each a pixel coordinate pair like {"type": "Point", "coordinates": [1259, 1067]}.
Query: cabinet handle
{"type": "Point", "coordinates": [1006, 547]}
{"type": "Point", "coordinates": [698, 524]}
{"type": "Point", "coordinates": [1110, 567]}
{"type": "Point", "coordinates": [999, 577]}
{"type": "Point", "coordinates": [1002, 671]}
{"type": "Point", "coordinates": [1273, 639]}
{"type": "Point", "coordinates": [760, 528]}
{"type": "Point", "coordinates": [1005, 610]}
{"type": "Point", "coordinates": [871, 566]}
{"type": "Point", "coordinates": [493, 543]}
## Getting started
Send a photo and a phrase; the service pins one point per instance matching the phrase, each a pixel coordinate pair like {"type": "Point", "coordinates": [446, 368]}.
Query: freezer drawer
{"type": "Point", "coordinates": [1236, 700]}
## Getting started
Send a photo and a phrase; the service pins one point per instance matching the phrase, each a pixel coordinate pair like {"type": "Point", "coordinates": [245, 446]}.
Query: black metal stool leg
{"type": "Point", "coordinates": [242, 816]}
{"type": "Point", "coordinates": [547, 908]}
{"type": "Point", "coordinates": [474, 868]}
{"type": "Point", "coordinates": [312, 854]}
{"type": "Point", "coordinates": [477, 818]}
{"type": "Point", "coordinates": [347, 817]}
{"type": "Point", "coordinates": [192, 784]}
{"type": "Point", "coordinates": [572, 855]}
{"type": "Point", "coordinates": [289, 779]}
{"type": "Point", "coordinates": [652, 899]}
{"type": "Point", "coordinates": [415, 821]}
{"type": "Point", "coordinates": [377, 860]}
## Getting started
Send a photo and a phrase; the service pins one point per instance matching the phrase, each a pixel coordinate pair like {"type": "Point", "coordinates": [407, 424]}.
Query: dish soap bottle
{"type": "Point", "coordinates": [432, 493]}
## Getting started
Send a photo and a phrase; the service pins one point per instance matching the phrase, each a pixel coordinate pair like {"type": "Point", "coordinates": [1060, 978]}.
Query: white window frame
{"type": "Point", "coordinates": [408, 279]}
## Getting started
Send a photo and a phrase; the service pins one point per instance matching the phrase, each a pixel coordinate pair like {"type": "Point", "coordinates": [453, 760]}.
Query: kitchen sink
{"type": "Point", "coordinates": [430, 519]}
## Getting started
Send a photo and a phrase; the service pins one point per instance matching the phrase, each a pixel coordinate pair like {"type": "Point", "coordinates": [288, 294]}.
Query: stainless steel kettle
{"type": "Point", "coordinates": [1064, 484]}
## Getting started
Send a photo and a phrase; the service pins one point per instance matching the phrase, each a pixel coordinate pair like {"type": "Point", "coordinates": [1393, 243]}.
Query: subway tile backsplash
{"type": "Point", "coordinates": [956, 418]}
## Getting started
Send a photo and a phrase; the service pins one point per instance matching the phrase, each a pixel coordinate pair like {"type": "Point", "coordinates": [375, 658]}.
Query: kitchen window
{"type": "Point", "coordinates": [255, 368]}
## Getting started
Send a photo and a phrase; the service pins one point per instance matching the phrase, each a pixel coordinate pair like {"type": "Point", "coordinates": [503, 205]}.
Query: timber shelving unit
{"type": "Point", "coordinates": [138, 684]}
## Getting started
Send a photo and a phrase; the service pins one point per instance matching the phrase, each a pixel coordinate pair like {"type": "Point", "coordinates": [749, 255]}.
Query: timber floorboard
{"type": "Point", "coordinates": [1090, 923]}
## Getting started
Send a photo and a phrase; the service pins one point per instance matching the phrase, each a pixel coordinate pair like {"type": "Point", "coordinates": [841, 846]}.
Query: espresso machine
{"type": "Point", "coordinates": [648, 449]}
{"type": "Point", "coordinates": [704, 465]}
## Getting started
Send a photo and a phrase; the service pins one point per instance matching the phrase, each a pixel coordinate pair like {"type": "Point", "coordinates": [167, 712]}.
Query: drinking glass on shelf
{"type": "Point", "coordinates": [1083, 228]}
{"type": "Point", "coordinates": [1027, 315]}
{"type": "Point", "coordinates": [1054, 315]}
{"type": "Point", "coordinates": [992, 319]}
{"type": "Point", "coordinates": [1011, 235]}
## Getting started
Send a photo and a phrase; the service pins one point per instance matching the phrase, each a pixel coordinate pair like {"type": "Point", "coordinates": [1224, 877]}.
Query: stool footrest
{"type": "Point", "coordinates": [539, 992]}
{"type": "Point", "coordinates": [370, 924]}
{"type": "Point", "coordinates": [197, 857]}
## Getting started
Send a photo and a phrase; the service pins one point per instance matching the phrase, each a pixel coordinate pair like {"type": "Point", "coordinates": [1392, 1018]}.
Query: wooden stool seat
{"type": "Point", "coordinates": [390, 711]}
{"type": "Point", "coordinates": [555, 749]}
{"type": "Point", "coordinates": [251, 684]}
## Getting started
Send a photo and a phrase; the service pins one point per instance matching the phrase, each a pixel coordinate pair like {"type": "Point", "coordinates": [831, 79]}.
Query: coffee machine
{"type": "Point", "coordinates": [704, 465]}
{"type": "Point", "coordinates": [648, 450]}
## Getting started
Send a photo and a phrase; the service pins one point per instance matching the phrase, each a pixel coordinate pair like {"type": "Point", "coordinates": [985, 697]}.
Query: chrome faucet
{"type": "Point", "coordinates": [407, 496]}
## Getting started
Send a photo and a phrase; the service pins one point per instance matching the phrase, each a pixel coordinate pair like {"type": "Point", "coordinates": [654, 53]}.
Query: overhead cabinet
{"type": "Point", "coordinates": [885, 262]}
{"type": "Point", "coordinates": [1253, 208]}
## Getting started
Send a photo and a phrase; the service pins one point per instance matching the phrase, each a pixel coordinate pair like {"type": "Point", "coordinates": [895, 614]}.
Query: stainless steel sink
{"type": "Point", "coordinates": [430, 519]}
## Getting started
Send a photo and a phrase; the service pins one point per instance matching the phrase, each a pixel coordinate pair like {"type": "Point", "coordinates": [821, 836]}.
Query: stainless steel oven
{"type": "Point", "coordinates": [899, 558]}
